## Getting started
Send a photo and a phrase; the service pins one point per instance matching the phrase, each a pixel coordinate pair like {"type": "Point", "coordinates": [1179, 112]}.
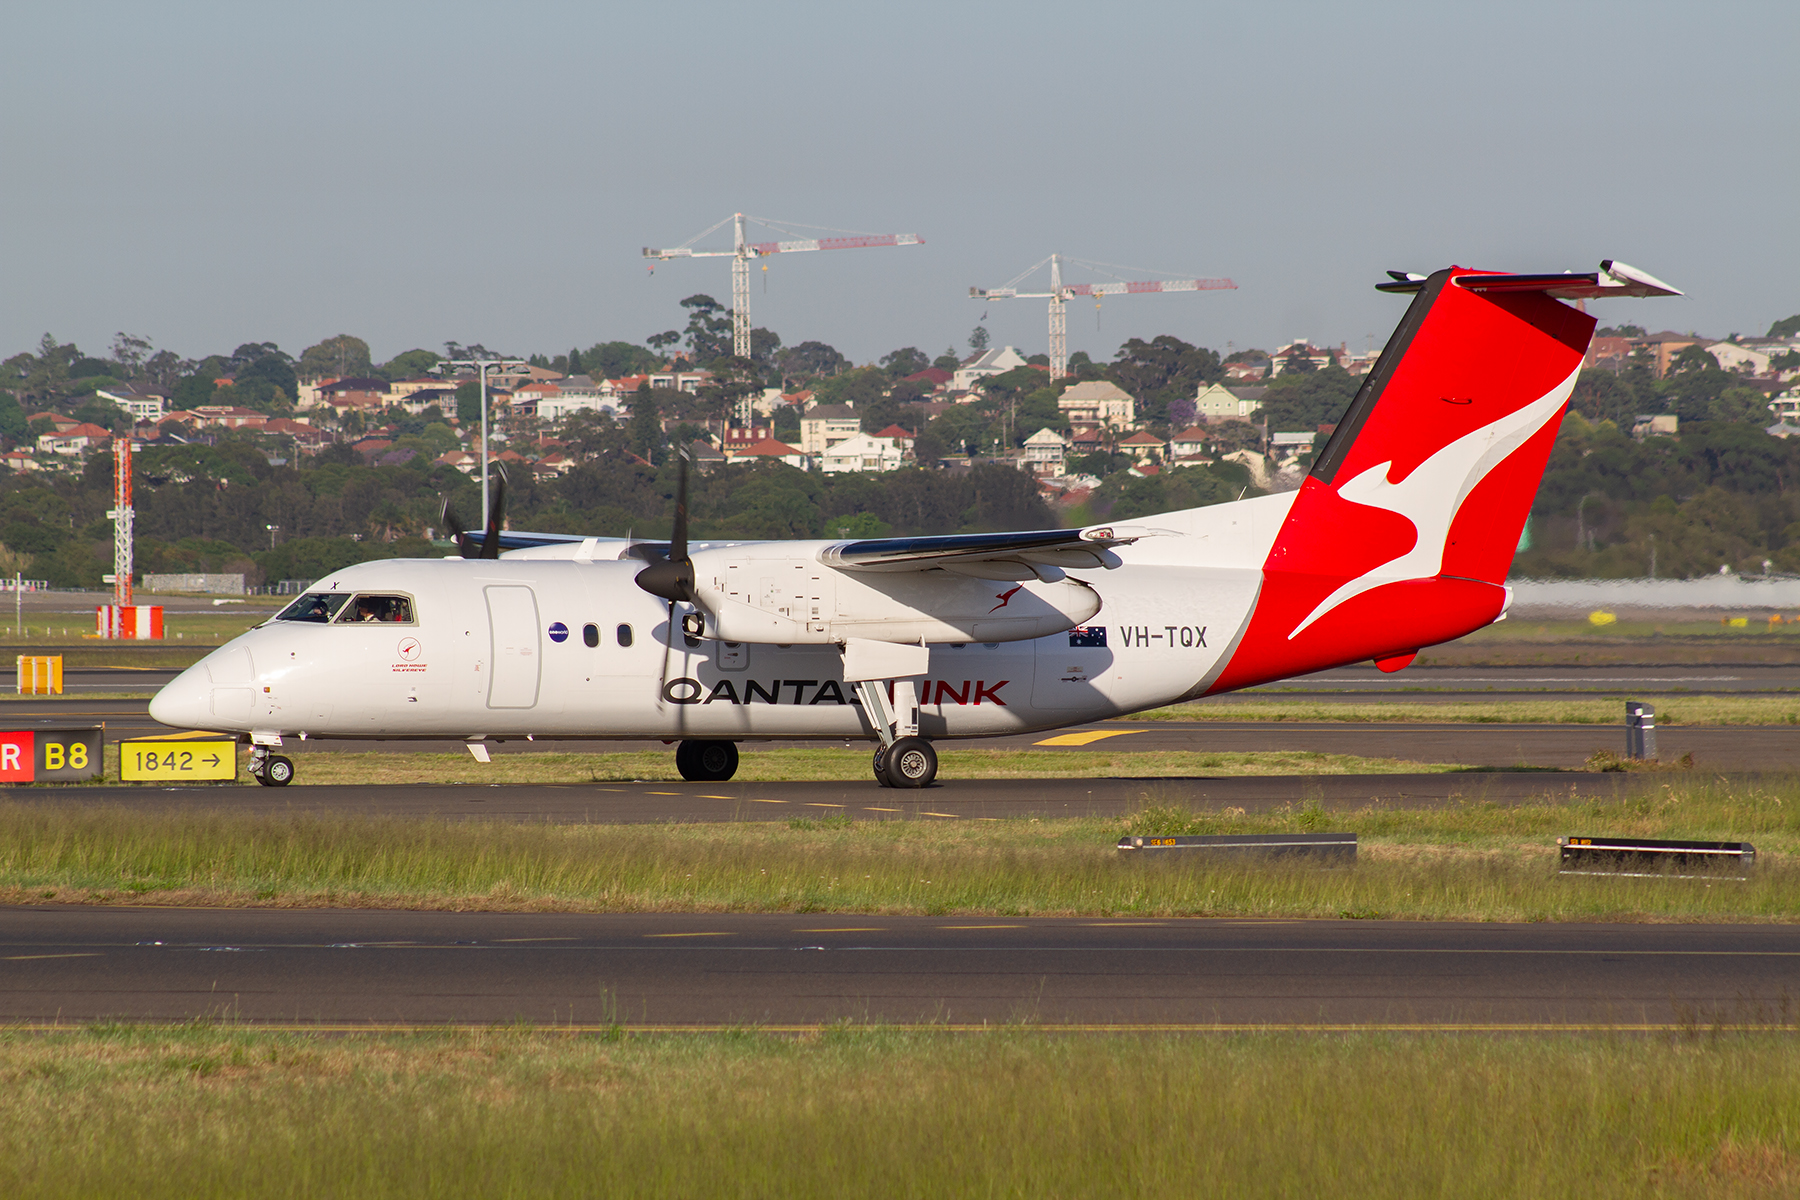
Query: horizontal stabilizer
{"type": "Point", "coordinates": [1612, 279]}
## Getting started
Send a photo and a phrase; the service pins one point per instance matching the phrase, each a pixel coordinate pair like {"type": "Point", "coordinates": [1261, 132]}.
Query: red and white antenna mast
{"type": "Point", "coordinates": [1060, 294]}
{"type": "Point", "coordinates": [121, 515]}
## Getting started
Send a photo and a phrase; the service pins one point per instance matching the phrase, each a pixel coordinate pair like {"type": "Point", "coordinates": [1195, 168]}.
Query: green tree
{"type": "Point", "coordinates": [1163, 370]}
{"type": "Point", "coordinates": [947, 361]}
{"type": "Point", "coordinates": [908, 360]}
{"type": "Point", "coordinates": [574, 364]}
{"type": "Point", "coordinates": [978, 339]}
{"type": "Point", "coordinates": [812, 359]}
{"type": "Point", "coordinates": [12, 420]}
{"type": "Point", "coordinates": [615, 360]}
{"type": "Point", "coordinates": [409, 364]}
{"type": "Point", "coordinates": [468, 403]}
{"type": "Point", "coordinates": [342, 357]}
{"type": "Point", "coordinates": [708, 328]}
{"type": "Point", "coordinates": [1297, 402]}
{"type": "Point", "coordinates": [1786, 327]}
{"type": "Point", "coordinates": [646, 422]}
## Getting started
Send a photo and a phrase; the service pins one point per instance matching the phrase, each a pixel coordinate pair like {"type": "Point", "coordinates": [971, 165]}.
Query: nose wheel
{"type": "Point", "coordinates": [271, 770]}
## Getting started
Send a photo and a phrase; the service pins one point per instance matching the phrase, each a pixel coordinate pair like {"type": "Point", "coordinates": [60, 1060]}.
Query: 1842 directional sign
{"type": "Point", "coordinates": [211, 758]}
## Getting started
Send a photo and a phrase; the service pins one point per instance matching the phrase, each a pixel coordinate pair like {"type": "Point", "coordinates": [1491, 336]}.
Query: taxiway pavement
{"type": "Point", "coordinates": [952, 799]}
{"type": "Point", "coordinates": [354, 968]}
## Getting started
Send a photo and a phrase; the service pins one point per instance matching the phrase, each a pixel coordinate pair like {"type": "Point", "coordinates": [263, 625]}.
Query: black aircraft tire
{"type": "Point", "coordinates": [278, 771]}
{"type": "Point", "coordinates": [881, 767]}
{"type": "Point", "coordinates": [706, 762]}
{"type": "Point", "coordinates": [910, 763]}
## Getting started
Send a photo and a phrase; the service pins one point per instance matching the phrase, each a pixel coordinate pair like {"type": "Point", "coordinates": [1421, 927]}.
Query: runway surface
{"type": "Point", "coordinates": [358, 967]}
{"type": "Point", "coordinates": [630, 804]}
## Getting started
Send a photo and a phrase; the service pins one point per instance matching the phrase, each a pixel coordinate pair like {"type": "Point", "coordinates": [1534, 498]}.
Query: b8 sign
{"type": "Point", "coordinates": [50, 755]}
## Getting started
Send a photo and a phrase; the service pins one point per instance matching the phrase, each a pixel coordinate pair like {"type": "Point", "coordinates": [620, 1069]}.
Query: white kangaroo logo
{"type": "Point", "coordinates": [1461, 466]}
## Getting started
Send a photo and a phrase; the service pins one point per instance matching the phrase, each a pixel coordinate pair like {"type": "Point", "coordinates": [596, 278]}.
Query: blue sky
{"type": "Point", "coordinates": [208, 174]}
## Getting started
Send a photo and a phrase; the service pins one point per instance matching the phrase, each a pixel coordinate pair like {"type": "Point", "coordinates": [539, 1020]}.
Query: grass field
{"type": "Point", "coordinates": [1468, 861]}
{"type": "Point", "coordinates": [865, 1111]}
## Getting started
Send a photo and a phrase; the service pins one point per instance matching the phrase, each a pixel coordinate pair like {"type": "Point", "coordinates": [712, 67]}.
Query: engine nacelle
{"type": "Point", "coordinates": [800, 600]}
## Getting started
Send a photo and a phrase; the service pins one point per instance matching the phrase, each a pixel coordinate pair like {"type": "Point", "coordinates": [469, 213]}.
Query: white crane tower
{"type": "Point", "coordinates": [1060, 294]}
{"type": "Point", "coordinates": [743, 251]}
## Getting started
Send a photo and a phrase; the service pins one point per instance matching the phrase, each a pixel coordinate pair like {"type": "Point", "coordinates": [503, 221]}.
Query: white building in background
{"type": "Point", "coordinates": [825, 425]}
{"type": "Point", "coordinates": [1096, 403]}
{"type": "Point", "coordinates": [1216, 402]}
{"type": "Point", "coordinates": [862, 452]}
{"type": "Point", "coordinates": [1044, 453]}
{"type": "Point", "coordinates": [1742, 359]}
{"type": "Point", "coordinates": [978, 367]}
{"type": "Point", "coordinates": [144, 404]}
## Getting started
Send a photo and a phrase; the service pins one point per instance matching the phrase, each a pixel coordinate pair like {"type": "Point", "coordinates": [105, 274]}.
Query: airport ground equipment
{"type": "Point", "coordinates": [50, 753]}
{"type": "Point", "coordinates": [1336, 848]}
{"type": "Point", "coordinates": [1654, 858]}
{"type": "Point", "coordinates": [1061, 293]}
{"type": "Point", "coordinates": [128, 622]}
{"type": "Point", "coordinates": [1640, 730]}
{"type": "Point", "coordinates": [40, 675]}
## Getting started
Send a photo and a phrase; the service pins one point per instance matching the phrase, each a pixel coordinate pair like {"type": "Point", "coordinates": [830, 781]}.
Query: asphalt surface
{"type": "Point", "coordinates": [629, 804]}
{"type": "Point", "coordinates": [339, 967]}
{"type": "Point", "coordinates": [1417, 684]}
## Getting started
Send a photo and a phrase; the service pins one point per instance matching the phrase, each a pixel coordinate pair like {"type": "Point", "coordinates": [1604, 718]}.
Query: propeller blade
{"type": "Point", "coordinates": [672, 577]}
{"type": "Point", "coordinates": [465, 545]}
{"type": "Point", "coordinates": [490, 538]}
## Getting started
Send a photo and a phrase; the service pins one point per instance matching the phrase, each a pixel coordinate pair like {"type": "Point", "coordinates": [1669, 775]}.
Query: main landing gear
{"type": "Point", "coordinates": [706, 762]}
{"type": "Point", "coordinates": [905, 759]}
{"type": "Point", "coordinates": [271, 770]}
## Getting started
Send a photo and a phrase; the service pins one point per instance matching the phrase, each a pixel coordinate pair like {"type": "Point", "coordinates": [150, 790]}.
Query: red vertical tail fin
{"type": "Point", "coordinates": [1403, 533]}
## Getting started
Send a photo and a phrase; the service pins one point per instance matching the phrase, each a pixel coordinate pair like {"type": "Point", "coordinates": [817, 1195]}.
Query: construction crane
{"type": "Point", "coordinates": [1060, 294]}
{"type": "Point", "coordinates": [742, 252]}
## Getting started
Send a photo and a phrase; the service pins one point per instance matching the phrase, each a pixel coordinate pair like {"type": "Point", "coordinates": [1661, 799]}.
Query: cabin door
{"type": "Point", "coordinates": [517, 653]}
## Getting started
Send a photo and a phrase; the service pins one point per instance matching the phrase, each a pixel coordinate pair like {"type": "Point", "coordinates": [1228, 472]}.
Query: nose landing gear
{"type": "Point", "coordinates": [271, 770]}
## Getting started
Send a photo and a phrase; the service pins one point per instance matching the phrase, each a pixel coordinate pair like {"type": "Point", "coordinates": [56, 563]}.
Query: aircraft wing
{"type": "Point", "coordinates": [1042, 553]}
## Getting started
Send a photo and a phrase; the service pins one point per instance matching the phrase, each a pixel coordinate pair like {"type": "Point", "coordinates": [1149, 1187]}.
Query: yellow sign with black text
{"type": "Point", "coordinates": [213, 759]}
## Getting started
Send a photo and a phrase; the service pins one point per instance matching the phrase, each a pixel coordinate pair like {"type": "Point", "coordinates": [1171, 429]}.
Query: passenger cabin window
{"type": "Point", "coordinates": [624, 635]}
{"type": "Point", "coordinates": [317, 607]}
{"type": "Point", "coordinates": [368, 609]}
{"type": "Point", "coordinates": [590, 635]}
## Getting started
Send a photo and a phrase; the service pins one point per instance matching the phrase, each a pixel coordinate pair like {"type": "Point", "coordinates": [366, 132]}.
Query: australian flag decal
{"type": "Point", "coordinates": [1092, 637]}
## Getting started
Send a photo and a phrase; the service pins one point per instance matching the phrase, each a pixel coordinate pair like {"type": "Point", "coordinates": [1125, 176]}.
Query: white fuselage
{"type": "Point", "coordinates": [499, 649]}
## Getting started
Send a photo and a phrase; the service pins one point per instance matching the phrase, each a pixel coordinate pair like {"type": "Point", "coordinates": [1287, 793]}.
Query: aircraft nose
{"type": "Point", "coordinates": [186, 700]}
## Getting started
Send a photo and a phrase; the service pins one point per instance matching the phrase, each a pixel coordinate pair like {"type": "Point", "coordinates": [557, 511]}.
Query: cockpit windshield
{"type": "Point", "coordinates": [388, 610]}
{"type": "Point", "coordinates": [317, 607]}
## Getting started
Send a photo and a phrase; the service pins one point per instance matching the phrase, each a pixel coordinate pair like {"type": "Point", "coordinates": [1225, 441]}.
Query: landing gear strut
{"type": "Point", "coordinates": [706, 762]}
{"type": "Point", "coordinates": [271, 770]}
{"type": "Point", "coordinates": [905, 759]}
